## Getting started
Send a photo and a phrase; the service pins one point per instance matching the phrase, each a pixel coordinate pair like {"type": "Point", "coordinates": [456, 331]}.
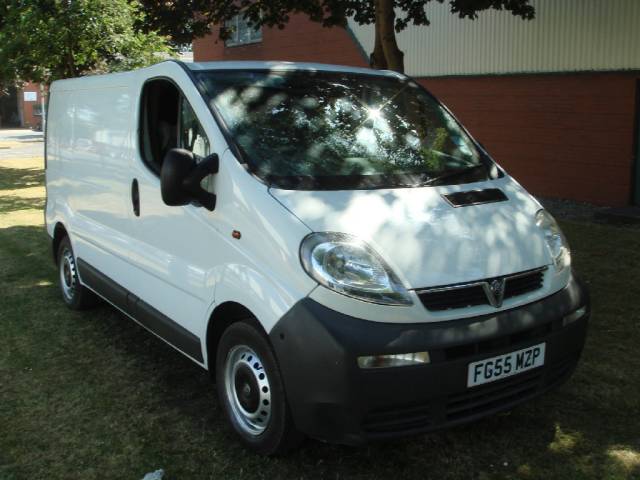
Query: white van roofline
{"type": "Point", "coordinates": [275, 65]}
{"type": "Point", "coordinates": [122, 78]}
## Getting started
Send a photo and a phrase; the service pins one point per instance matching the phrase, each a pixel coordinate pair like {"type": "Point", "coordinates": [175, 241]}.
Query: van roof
{"type": "Point", "coordinates": [121, 78]}
{"type": "Point", "coordinates": [274, 65]}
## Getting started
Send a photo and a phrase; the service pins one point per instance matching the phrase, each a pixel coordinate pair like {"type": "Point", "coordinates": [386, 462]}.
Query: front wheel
{"type": "Point", "coordinates": [251, 391]}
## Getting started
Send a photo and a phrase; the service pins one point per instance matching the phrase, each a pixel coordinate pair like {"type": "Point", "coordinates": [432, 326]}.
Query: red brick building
{"type": "Point", "coordinates": [555, 101]}
{"type": "Point", "coordinates": [21, 107]}
{"type": "Point", "coordinates": [31, 101]}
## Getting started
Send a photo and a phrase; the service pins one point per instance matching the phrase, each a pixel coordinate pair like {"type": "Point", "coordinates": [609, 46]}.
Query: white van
{"type": "Point", "coordinates": [330, 242]}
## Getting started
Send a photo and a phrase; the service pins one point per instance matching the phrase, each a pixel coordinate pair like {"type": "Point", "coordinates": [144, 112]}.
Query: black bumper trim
{"type": "Point", "coordinates": [332, 399]}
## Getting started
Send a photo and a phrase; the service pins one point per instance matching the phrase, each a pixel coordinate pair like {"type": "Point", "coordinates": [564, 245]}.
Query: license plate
{"type": "Point", "coordinates": [503, 366]}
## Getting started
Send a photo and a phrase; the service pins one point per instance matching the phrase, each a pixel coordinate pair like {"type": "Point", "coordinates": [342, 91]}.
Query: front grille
{"type": "Point", "coordinates": [473, 294]}
{"type": "Point", "coordinates": [519, 285]}
{"type": "Point", "coordinates": [458, 298]}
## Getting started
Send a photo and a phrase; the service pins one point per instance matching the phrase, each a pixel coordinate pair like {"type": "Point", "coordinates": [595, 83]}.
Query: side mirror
{"type": "Point", "coordinates": [180, 178]}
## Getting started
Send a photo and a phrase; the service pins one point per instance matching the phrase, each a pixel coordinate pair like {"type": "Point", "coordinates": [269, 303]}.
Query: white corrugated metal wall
{"type": "Point", "coordinates": [566, 36]}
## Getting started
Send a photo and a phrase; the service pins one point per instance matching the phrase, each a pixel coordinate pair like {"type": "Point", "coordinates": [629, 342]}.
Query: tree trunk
{"type": "Point", "coordinates": [386, 53]}
{"type": "Point", "coordinates": [377, 59]}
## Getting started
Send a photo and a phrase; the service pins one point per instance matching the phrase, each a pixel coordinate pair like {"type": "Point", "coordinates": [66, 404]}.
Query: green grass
{"type": "Point", "coordinates": [92, 395]}
{"type": "Point", "coordinates": [14, 178]}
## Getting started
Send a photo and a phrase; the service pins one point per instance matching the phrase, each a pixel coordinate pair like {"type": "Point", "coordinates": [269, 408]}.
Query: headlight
{"type": "Point", "coordinates": [556, 241]}
{"type": "Point", "coordinates": [349, 266]}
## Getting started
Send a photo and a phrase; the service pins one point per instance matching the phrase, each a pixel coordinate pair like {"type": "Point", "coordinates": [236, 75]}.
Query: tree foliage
{"type": "Point", "coordinates": [176, 18]}
{"type": "Point", "coordinates": [45, 40]}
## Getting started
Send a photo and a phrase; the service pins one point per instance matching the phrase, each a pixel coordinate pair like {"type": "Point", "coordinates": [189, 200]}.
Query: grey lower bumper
{"type": "Point", "coordinates": [332, 399]}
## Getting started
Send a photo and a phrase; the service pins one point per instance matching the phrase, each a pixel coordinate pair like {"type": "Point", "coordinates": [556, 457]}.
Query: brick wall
{"type": "Point", "coordinates": [301, 41]}
{"type": "Point", "coordinates": [566, 136]}
{"type": "Point", "coordinates": [28, 108]}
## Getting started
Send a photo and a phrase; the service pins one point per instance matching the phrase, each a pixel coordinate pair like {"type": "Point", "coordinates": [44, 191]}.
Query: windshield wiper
{"type": "Point", "coordinates": [453, 174]}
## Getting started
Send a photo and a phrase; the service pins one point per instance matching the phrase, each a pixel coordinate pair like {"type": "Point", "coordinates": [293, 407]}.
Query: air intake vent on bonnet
{"type": "Point", "coordinates": [475, 197]}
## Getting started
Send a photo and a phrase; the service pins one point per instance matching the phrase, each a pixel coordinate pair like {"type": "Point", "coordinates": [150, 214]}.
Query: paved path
{"type": "Point", "coordinates": [20, 144]}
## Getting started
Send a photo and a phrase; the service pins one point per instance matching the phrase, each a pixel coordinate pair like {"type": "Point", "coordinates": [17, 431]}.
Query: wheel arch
{"type": "Point", "coordinates": [59, 232]}
{"type": "Point", "coordinates": [244, 292]}
{"type": "Point", "coordinates": [222, 316]}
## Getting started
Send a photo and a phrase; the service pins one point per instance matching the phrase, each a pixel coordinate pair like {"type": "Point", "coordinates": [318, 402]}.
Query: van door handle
{"type": "Point", "coordinates": [135, 197]}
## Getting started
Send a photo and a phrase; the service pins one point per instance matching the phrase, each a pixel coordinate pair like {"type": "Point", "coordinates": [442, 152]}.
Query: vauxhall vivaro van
{"type": "Point", "coordinates": [330, 242]}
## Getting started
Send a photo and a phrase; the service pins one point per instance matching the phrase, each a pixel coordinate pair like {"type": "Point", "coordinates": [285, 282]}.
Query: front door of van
{"type": "Point", "coordinates": [173, 252]}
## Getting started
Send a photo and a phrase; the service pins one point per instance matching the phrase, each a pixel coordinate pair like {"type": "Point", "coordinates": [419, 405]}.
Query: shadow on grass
{"type": "Point", "coordinates": [146, 393]}
{"type": "Point", "coordinates": [30, 137]}
{"type": "Point", "coordinates": [12, 203]}
{"type": "Point", "coordinates": [16, 178]}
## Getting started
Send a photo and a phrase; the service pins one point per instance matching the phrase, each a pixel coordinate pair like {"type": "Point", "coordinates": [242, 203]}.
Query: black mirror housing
{"type": "Point", "coordinates": [180, 178]}
{"type": "Point", "coordinates": [177, 164]}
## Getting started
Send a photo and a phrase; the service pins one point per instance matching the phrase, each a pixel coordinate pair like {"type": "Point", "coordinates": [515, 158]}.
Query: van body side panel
{"type": "Point", "coordinates": [93, 140]}
{"type": "Point", "coordinates": [173, 257]}
{"type": "Point", "coordinates": [172, 250]}
{"type": "Point", "coordinates": [186, 260]}
{"type": "Point", "coordinates": [56, 136]}
{"type": "Point", "coordinates": [261, 269]}
{"type": "Point", "coordinates": [183, 258]}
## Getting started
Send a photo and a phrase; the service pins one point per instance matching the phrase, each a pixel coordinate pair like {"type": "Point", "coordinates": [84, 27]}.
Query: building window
{"type": "Point", "coordinates": [241, 32]}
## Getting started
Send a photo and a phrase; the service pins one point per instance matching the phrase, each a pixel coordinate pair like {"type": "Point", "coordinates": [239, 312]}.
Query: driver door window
{"type": "Point", "coordinates": [168, 121]}
{"type": "Point", "coordinates": [191, 135]}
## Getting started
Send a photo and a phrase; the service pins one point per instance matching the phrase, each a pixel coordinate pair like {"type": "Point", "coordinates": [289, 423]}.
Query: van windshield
{"type": "Point", "coordinates": [337, 130]}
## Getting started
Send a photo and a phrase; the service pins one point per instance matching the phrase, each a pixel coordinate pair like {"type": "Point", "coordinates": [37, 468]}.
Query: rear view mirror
{"type": "Point", "coordinates": [180, 178]}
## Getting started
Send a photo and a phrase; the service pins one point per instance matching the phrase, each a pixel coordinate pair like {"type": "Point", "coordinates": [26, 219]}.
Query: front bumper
{"type": "Point", "coordinates": [332, 399]}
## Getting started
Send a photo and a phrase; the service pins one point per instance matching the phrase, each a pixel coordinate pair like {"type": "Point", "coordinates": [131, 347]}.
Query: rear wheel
{"type": "Point", "coordinates": [76, 296]}
{"type": "Point", "coordinates": [251, 390]}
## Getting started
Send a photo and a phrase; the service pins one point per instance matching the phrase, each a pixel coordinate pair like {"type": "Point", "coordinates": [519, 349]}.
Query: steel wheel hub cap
{"type": "Point", "coordinates": [68, 274]}
{"type": "Point", "coordinates": [247, 389]}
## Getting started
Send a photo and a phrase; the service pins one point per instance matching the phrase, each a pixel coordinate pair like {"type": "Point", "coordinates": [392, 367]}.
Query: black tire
{"type": "Point", "coordinates": [75, 295]}
{"type": "Point", "coordinates": [278, 434]}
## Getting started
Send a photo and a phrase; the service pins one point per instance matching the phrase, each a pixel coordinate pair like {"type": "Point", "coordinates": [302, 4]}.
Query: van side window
{"type": "Point", "coordinates": [192, 136]}
{"type": "Point", "coordinates": [167, 121]}
{"type": "Point", "coordinates": [158, 121]}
